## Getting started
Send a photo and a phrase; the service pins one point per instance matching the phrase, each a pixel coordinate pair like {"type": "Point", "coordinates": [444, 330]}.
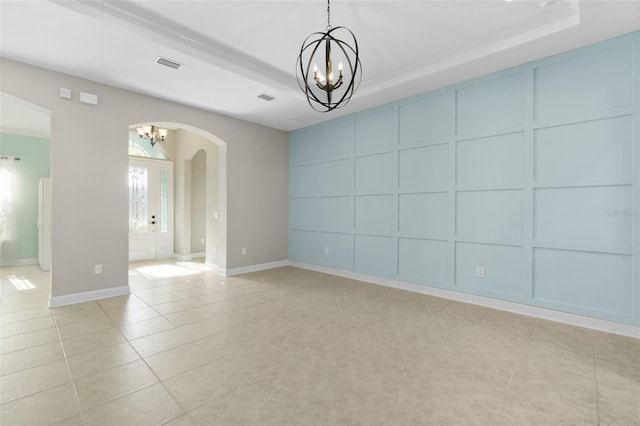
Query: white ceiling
{"type": "Point", "coordinates": [233, 51]}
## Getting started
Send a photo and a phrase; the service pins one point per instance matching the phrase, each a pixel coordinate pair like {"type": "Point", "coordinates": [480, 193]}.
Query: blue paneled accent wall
{"type": "Point", "coordinates": [532, 173]}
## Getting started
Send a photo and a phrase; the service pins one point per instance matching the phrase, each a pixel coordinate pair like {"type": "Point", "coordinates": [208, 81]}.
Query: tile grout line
{"type": "Point", "coordinates": [184, 411]}
{"type": "Point", "coordinates": [160, 381]}
{"type": "Point", "coordinates": [140, 357]}
{"type": "Point", "coordinates": [66, 361]}
{"type": "Point", "coordinates": [218, 359]}
{"type": "Point", "coordinates": [252, 383]}
{"type": "Point", "coordinates": [513, 373]}
{"type": "Point", "coordinates": [595, 379]}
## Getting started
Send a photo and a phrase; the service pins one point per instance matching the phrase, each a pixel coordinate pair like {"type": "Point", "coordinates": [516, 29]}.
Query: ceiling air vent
{"type": "Point", "coordinates": [168, 63]}
{"type": "Point", "coordinates": [266, 97]}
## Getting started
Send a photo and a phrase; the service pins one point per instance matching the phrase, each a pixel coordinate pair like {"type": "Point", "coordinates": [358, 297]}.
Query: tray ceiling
{"type": "Point", "coordinates": [234, 51]}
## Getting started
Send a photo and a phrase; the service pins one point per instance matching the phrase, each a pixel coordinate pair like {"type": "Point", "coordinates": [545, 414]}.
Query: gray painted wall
{"type": "Point", "coordinates": [89, 177]}
{"type": "Point", "coordinates": [198, 201]}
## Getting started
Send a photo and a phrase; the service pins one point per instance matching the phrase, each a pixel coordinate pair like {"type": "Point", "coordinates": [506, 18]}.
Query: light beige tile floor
{"type": "Point", "coordinates": [295, 347]}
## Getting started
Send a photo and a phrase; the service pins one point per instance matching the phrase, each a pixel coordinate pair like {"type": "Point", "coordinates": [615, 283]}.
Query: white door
{"type": "Point", "coordinates": [150, 209]}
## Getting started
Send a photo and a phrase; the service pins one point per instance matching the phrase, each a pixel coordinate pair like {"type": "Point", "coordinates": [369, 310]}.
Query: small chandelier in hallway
{"type": "Point", "coordinates": [326, 91]}
{"type": "Point", "coordinates": [152, 134]}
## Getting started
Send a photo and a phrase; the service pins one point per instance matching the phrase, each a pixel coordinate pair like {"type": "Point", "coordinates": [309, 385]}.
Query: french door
{"type": "Point", "coordinates": [150, 209]}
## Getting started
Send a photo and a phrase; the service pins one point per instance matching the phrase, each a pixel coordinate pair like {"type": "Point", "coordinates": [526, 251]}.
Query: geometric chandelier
{"type": "Point", "coordinates": [326, 91]}
{"type": "Point", "coordinates": [152, 134]}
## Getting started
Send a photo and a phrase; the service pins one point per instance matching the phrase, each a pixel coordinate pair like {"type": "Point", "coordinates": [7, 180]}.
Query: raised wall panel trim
{"type": "Point", "coordinates": [463, 137]}
{"type": "Point", "coordinates": [602, 284]}
{"type": "Point", "coordinates": [335, 177]}
{"type": "Point", "coordinates": [424, 168]}
{"type": "Point", "coordinates": [300, 175]}
{"type": "Point", "coordinates": [563, 215]}
{"type": "Point", "coordinates": [591, 151]}
{"type": "Point", "coordinates": [503, 266]}
{"type": "Point", "coordinates": [337, 139]}
{"type": "Point", "coordinates": [304, 213]}
{"type": "Point", "coordinates": [503, 305]}
{"type": "Point", "coordinates": [88, 296]}
{"type": "Point", "coordinates": [602, 83]}
{"type": "Point", "coordinates": [583, 117]}
{"type": "Point", "coordinates": [374, 214]}
{"type": "Point", "coordinates": [336, 250]}
{"type": "Point", "coordinates": [439, 191]}
{"type": "Point", "coordinates": [590, 182]}
{"type": "Point", "coordinates": [479, 188]}
{"type": "Point", "coordinates": [491, 106]}
{"type": "Point", "coordinates": [432, 142]}
{"type": "Point", "coordinates": [374, 173]}
{"type": "Point", "coordinates": [423, 215]}
{"type": "Point", "coordinates": [490, 214]}
{"type": "Point", "coordinates": [254, 268]}
{"type": "Point", "coordinates": [491, 161]}
{"type": "Point", "coordinates": [597, 248]}
{"type": "Point", "coordinates": [422, 260]}
{"type": "Point", "coordinates": [491, 241]}
{"type": "Point", "coordinates": [371, 135]}
{"type": "Point", "coordinates": [460, 138]}
{"type": "Point", "coordinates": [426, 238]}
{"type": "Point", "coordinates": [420, 123]}
{"type": "Point", "coordinates": [424, 121]}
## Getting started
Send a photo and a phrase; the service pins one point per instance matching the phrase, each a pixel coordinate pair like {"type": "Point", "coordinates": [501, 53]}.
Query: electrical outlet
{"type": "Point", "coordinates": [97, 269]}
{"type": "Point", "coordinates": [244, 251]}
{"type": "Point", "coordinates": [480, 272]}
{"type": "Point", "coordinates": [202, 240]}
{"type": "Point", "coordinates": [326, 251]}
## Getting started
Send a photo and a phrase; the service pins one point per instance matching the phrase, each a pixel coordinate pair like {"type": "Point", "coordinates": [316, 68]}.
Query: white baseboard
{"type": "Point", "coordinates": [254, 268]}
{"type": "Point", "coordinates": [88, 296]}
{"type": "Point", "coordinates": [187, 257]}
{"type": "Point", "coordinates": [181, 256]}
{"type": "Point", "coordinates": [518, 308]}
{"type": "Point", "coordinates": [21, 262]}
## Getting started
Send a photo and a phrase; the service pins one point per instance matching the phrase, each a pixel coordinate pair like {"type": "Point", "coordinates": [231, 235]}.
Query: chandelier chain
{"type": "Point", "coordinates": [328, 15]}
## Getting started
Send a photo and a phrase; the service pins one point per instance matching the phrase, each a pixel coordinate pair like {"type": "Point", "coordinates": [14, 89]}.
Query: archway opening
{"type": "Point", "coordinates": [25, 197]}
{"type": "Point", "coordinates": [199, 189]}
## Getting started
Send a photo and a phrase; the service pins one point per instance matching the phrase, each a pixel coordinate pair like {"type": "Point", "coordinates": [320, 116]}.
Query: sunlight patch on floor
{"type": "Point", "coordinates": [179, 269]}
{"type": "Point", "coordinates": [21, 283]}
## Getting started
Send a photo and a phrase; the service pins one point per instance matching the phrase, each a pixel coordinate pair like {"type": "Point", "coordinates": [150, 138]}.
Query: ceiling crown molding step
{"type": "Point", "coordinates": [151, 25]}
{"type": "Point", "coordinates": [557, 17]}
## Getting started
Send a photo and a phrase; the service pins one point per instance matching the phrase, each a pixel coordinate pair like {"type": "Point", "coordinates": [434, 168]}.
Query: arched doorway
{"type": "Point", "coordinates": [199, 191]}
{"type": "Point", "coordinates": [25, 198]}
{"type": "Point", "coordinates": [25, 158]}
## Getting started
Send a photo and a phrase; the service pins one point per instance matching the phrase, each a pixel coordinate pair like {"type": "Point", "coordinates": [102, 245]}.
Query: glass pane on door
{"type": "Point", "coordinates": [138, 200]}
{"type": "Point", "coordinates": [164, 200]}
